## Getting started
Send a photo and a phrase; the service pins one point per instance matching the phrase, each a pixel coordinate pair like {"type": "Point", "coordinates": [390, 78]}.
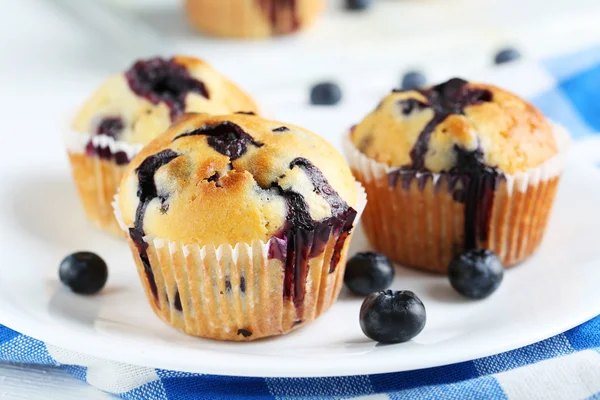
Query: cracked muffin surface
{"type": "Point", "coordinates": [234, 178]}
{"type": "Point", "coordinates": [137, 105]}
{"type": "Point", "coordinates": [430, 129]}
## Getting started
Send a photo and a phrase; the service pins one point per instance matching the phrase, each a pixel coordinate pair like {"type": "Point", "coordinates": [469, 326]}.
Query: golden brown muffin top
{"type": "Point", "coordinates": [139, 104]}
{"type": "Point", "coordinates": [233, 178]}
{"type": "Point", "coordinates": [429, 129]}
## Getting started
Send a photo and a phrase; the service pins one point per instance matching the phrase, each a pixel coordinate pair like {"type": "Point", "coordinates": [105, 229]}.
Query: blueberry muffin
{"type": "Point", "coordinates": [252, 18]}
{"type": "Point", "coordinates": [454, 167]}
{"type": "Point", "coordinates": [129, 110]}
{"type": "Point", "coordinates": [239, 226]}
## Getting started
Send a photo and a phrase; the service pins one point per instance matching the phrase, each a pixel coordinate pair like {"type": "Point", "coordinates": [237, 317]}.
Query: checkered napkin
{"type": "Point", "coordinates": [566, 366]}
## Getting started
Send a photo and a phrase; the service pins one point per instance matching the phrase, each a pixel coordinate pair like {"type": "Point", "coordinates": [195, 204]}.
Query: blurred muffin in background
{"type": "Point", "coordinates": [129, 110]}
{"type": "Point", "coordinates": [252, 18]}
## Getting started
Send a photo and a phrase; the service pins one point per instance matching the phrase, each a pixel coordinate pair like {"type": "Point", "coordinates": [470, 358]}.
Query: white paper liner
{"type": "Point", "coordinates": [208, 280]}
{"type": "Point", "coordinates": [76, 142]}
{"type": "Point", "coordinates": [520, 181]}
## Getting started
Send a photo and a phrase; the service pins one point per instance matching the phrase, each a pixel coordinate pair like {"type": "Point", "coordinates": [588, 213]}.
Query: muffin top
{"type": "Point", "coordinates": [137, 105]}
{"type": "Point", "coordinates": [432, 129]}
{"type": "Point", "coordinates": [234, 178]}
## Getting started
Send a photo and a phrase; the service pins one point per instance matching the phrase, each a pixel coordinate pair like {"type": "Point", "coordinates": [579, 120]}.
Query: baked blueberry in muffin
{"type": "Point", "coordinates": [132, 108]}
{"type": "Point", "coordinates": [252, 18]}
{"type": "Point", "coordinates": [237, 213]}
{"type": "Point", "coordinates": [457, 166]}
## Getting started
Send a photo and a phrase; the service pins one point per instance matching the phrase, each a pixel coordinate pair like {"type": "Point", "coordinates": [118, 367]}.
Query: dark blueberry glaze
{"type": "Point", "coordinates": [111, 126]}
{"type": "Point", "coordinates": [275, 8]}
{"type": "Point", "coordinates": [281, 129]}
{"type": "Point", "coordinates": [147, 192]}
{"type": "Point", "coordinates": [104, 153]}
{"type": "Point", "coordinates": [303, 238]}
{"type": "Point", "coordinates": [244, 332]}
{"type": "Point", "coordinates": [478, 181]}
{"type": "Point", "coordinates": [243, 284]}
{"type": "Point", "coordinates": [446, 99]}
{"type": "Point", "coordinates": [246, 112]}
{"type": "Point", "coordinates": [160, 80]}
{"type": "Point", "coordinates": [226, 138]}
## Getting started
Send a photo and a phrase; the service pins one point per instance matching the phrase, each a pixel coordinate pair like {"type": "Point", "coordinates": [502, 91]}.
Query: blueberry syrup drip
{"type": "Point", "coordinates": [243, 284]}
{"type": "Point", "coordinates": [226, 138]}
{"type": "Point", "coordinates": [281, 129]}
{"type": "Point", "coordinates": [110, 126]}
{"type": "Point", "coordinates": [147, 192]}
{"type": "Point", "coordinates": [274, 10]}
{"type": "Point", "coordinates": [478, 181]}
{"type": "Point", "coordinates": [303, 238]}
{"type": "Point", "coordinates": [160, 80]}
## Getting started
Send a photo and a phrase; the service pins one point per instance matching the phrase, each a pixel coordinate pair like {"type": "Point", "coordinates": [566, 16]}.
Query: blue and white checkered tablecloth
{"type": "Point", "coordinates": [566, 366]}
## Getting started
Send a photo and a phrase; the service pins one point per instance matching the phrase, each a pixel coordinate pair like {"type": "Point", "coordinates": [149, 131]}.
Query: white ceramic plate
{"type": "Point", "coordinates": [41, 222]}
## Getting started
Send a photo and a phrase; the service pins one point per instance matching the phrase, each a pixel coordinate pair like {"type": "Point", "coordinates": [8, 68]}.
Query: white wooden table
{"type": "Point", "coordinates": [439, 36]}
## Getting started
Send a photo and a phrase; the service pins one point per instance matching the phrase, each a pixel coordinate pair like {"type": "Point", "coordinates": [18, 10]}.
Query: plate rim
{"type": "Point", "coordinates": [222, 363]}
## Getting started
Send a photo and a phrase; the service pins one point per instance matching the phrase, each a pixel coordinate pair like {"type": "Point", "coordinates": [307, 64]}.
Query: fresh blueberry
{"type": "Point", "coordinates": [83, 272]}
{"type": "Point", "coordinates": [476, 273]}
{"type": "Point", "coordinates": [507, 55]}
{"type": "Point", "coordinates": [368, 272]}
{"type": "Point", "coordinates": [392, 316]}
{"type": "Point", "coordinates": [413, 80]}
{"type": "Point", "coordinates": [326, 94]}
{"type": "Point", "coordinates": [358, 4]}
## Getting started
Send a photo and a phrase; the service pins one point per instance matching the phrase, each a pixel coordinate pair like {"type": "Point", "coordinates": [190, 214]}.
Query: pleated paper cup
{"type": "Point", "coordinates": [422, 220]}
{"type": "Point", "coordinates": [247, 291]}
{"type": "Point", "coordinates": [98, 163]}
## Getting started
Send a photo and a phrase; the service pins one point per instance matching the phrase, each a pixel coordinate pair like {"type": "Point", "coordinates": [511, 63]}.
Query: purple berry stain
{"type": "Point", "coordinates": [226, 138]}
{"type": "Point", "coordinates": [112, 127]}
{"type": "Point", "coordinates": [164, 81]}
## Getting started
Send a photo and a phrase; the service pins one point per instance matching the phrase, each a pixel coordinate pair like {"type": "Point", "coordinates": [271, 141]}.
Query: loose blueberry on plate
{"type": "Point", "coordinates": [413, 80]}
{"type": "Point", "coordinates": [368, 272]}
{"type": "Point", "coordinates": [326, 93]}
{"type": "Point", "coordinates": [358, 4]}
{"type": "Point", "coordinates": [507, 55]}
{"type": "Point", "coordinates": [83, 272]}
{"type": "Point", "coordinates": [392, 316]}
{"type": "Point", "coordinates": [476, 273]}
